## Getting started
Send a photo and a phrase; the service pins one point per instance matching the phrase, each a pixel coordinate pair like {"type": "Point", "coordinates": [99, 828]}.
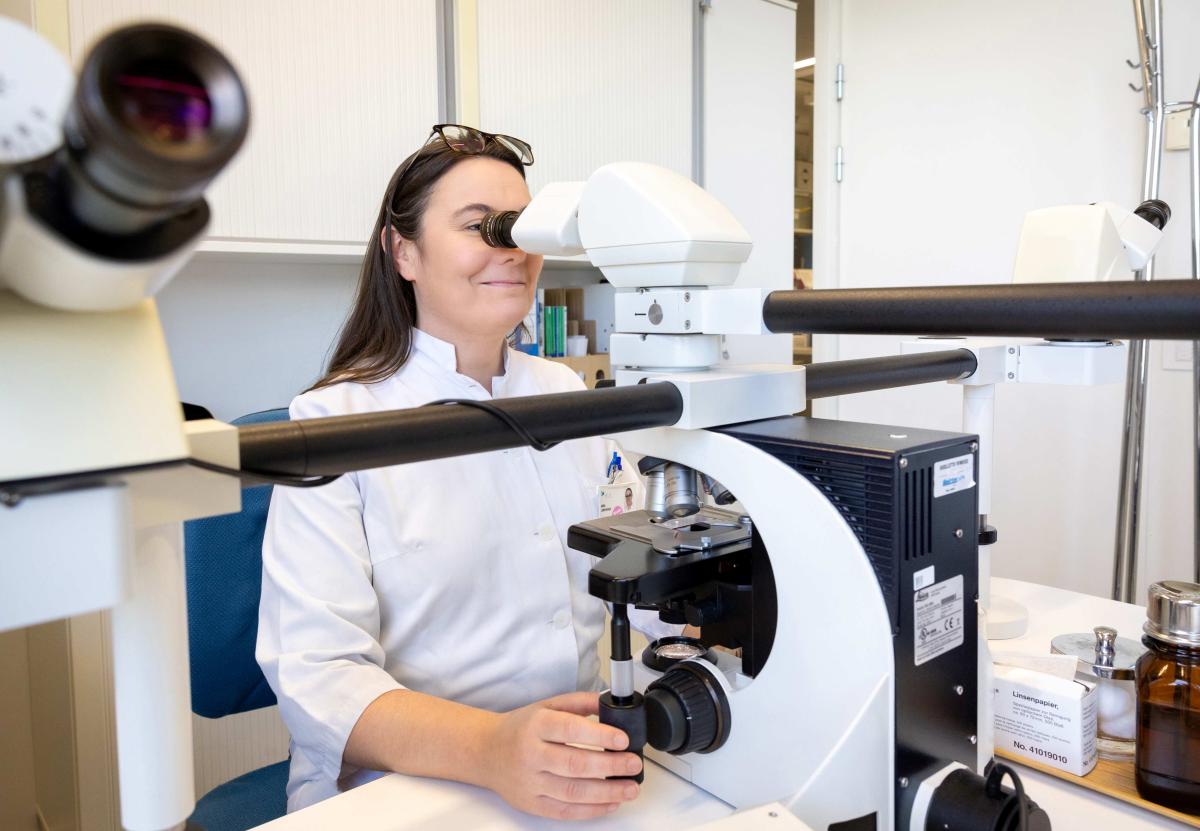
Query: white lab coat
{"type": "Point", "coordinates": [451, 577]}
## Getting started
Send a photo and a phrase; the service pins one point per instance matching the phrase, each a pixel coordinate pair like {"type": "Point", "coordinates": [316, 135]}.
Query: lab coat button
{"type": "Point", "coordinates": [562, 619]}
{"type": "Point", "coordinates": [545, 533]}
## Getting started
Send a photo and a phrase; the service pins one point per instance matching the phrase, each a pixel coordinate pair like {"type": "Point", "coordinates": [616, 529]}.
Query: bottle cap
{"type": "Point", "coordinates": [1173, 613]}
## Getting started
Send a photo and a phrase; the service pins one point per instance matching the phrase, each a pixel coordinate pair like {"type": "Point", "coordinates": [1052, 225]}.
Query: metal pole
{"type": "Point", "coordinates": [1129, 488]}
{"type": "Point", "coordinates": [1144, 61]}
{"type": "Point", "coordinates": [151, 686]}
{"type": "Point", "coordinates": [1194, 134]}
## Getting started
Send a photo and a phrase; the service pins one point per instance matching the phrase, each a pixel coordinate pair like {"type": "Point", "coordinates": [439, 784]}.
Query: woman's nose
{"type": "Point", "coordinates": [510, 255]}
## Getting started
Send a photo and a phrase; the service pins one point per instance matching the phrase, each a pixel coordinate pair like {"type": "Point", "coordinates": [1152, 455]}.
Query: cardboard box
{"type": "Point", "coordinates": [1047, 719]}
{"type": "Point", "coordinates": [591, 368]}
{"type": "Point", "coordinates": [573, 300]}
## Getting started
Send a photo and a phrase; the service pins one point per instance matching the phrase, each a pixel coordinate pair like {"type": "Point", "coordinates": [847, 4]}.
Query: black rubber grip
{"type": "Point", "coordinates": [629, 716]}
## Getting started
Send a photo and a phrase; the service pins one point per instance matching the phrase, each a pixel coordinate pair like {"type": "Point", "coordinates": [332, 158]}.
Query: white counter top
{"type": "Point", "coordinates": [399, 803]}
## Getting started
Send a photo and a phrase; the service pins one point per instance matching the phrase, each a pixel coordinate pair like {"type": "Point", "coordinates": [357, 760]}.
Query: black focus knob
{"type": "Point", "coordinates": [687, 711]}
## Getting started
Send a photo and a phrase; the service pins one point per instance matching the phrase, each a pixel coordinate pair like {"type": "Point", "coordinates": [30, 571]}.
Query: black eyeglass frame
{"type": "Point", "coordinates": [519, 148]}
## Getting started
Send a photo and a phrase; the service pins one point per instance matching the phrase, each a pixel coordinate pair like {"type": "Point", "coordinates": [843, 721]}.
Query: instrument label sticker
{"type": "Point", "coordinates": [953, 475]}
{"type": "Point", "coordinates": [937, 619]}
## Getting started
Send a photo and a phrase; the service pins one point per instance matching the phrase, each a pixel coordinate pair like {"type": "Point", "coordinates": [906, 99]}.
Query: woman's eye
{"type": "Point", "coordinates": [473, 227]}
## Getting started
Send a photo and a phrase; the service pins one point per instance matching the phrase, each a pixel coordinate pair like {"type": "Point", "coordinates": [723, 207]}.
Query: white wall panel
{"type": "Point", "coordinates": [336, 104]}
{"type": "Point", "coordinates": [957, 119]}
{"type": "Point", "coordinates": [588, 83]}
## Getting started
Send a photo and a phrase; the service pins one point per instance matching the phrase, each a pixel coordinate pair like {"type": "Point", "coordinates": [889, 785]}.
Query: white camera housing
{"type": "Point", "coordinates": [1083, 244]}
{"type": "Point", "coordinates": [641, 225]}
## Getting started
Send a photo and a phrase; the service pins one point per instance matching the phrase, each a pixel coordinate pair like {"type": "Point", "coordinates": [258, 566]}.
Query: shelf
{"type": "Point", "coordinates": [217, 249]}
{"type": "Point", "coordinates": [228, 249]}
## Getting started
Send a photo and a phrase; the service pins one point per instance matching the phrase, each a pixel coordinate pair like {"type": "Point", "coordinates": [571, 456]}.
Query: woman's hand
{"type": "Point", "coordinates": [534, 768]}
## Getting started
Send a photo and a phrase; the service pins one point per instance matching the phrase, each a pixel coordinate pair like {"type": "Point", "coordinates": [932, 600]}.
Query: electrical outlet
{"type": "Point", "coordinates": [1177, 130]}
{"type": "Point", "coordinates": [1177, 354]}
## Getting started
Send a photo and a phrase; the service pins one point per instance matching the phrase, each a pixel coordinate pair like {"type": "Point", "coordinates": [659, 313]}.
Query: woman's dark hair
{"type": "Point", "coordinates": [376, 338]}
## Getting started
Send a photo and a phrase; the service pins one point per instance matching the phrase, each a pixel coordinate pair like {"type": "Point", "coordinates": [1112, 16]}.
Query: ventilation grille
{"type": "Point", "coordinates": [861, 488]}
{"type": "Point", "coordinates": [917, 506]}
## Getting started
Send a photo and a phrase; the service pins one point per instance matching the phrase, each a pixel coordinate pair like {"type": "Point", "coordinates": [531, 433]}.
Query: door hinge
{"type": "Point", "coordinates": [839, 164]}
{"type": "Point", "coordinates": [839, 82]}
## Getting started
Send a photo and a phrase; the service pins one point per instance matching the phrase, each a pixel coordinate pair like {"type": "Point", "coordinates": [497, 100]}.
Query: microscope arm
{"type": "Point", "coordinates": [1156, 310]}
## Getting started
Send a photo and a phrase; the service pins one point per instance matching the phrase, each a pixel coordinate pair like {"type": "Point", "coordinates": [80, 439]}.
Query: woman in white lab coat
{"type": "Point", "coordinates": [429, 618]}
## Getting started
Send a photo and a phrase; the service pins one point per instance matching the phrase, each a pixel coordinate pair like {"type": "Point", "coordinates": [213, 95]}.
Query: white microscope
{"type": "Point", "coordinates": [847, 555]}
{"type": "Point", "coordinates": [846, 571]}
{"type": "Point", "coordinates": [101, 202]}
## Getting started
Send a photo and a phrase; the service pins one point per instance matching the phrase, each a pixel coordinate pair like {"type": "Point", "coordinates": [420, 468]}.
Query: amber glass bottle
{"type": "Point", "coordinates": [1168, 698]}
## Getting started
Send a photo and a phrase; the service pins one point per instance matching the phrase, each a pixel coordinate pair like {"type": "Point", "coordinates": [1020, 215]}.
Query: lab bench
{"type": "Point", "coordinates": [398, 803]}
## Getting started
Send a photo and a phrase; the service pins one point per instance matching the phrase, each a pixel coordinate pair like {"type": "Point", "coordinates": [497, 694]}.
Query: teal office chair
{"type": "Point", "coordinates": [223, 560]}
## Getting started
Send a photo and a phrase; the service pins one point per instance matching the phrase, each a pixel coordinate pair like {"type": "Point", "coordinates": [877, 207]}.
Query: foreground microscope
{"type": "Point", "coordinates": [845, 570]}
{"type": "Point", "coordinates": [851, 549]}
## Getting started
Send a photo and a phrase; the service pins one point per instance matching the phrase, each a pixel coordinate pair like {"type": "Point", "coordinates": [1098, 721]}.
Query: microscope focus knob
{"type": "Point", "coordinates": [687, 710]}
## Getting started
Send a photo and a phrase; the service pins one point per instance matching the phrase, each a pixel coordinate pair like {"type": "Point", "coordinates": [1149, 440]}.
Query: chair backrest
{"type": "Point", "coordinates": [223, 562]}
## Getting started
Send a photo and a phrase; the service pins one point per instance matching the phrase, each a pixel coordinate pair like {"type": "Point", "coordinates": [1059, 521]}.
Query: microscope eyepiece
{"type": "Point", "coordinates": [1154, 211]}
{"type": "Point", "coordinates": [157, 113]}
{"type": "Point", "coordinates": [496, 228]}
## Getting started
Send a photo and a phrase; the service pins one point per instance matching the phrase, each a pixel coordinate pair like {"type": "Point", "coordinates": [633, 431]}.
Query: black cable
{"type": "Point", "coordinates": [995, 777]}
{"type": "Point", "coordinates": [514, 425]}
{"type": "Point", "coordinates": [264, 477]}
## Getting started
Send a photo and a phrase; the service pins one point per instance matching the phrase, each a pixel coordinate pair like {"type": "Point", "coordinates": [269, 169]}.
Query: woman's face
{"type": "Point", "coordinates": [462, 285]}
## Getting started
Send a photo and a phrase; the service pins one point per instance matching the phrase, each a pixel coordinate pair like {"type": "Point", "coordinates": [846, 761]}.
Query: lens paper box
{"type": "Point", "coordinates": [1046, 719]}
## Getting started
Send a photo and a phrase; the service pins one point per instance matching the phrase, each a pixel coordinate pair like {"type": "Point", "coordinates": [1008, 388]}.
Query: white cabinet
{"type": "Point", "coordinates": [340, 93]}
{"type": "Point", "coordinates": [589, 83]}
{"type": "Point", "coordinates": [707, 92]}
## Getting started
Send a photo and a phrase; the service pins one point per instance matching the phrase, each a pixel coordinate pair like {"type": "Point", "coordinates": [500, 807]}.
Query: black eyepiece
{"type": "Point", "coordinates": [157, 113]}
{"type": "Point", "coordinates": [496, 228]}
{"type": "Point", "coordinates": [1154, 211]}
